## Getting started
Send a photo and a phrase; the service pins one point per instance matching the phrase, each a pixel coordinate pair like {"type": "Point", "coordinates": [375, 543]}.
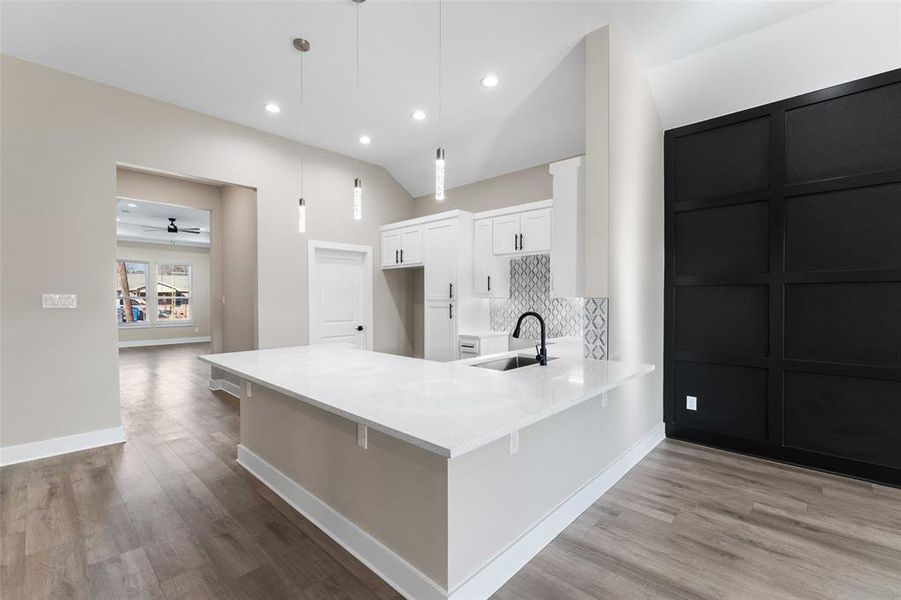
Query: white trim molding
{"type": "Point", "coordinates": [163, 342]}
{"type": "Point", "coordinates": [312, 286]}
{"type": "Point", "coordinates": [229, 387]}
{"type": "Point", "coordinates": [10, 455]}
{"type": "Point", "coordinates": [408, 580]}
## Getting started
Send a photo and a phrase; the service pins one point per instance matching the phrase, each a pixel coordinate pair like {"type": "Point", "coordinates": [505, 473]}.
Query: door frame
{"type": "Point", "coordinates": [366, 251]}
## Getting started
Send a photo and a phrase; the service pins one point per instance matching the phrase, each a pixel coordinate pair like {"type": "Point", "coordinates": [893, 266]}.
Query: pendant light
{"type": "Point", "coordinates": [439, 154]}
{"type": "Point", "coordinates": [358, 181]}
{"type": "Point", "coordinates": [302, 46]}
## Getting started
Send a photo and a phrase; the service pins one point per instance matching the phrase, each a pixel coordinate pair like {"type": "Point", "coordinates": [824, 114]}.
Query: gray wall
{"type": "Point", "coordinates": [62, 139]}
{"type": "Point", "coordinates": [519, 187]}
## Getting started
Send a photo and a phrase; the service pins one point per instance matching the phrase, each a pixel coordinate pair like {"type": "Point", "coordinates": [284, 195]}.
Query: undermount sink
{"type": "Point", "coordinates": [509, 363]}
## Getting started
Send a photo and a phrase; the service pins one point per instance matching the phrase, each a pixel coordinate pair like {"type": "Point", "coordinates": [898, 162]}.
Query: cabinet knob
{"type": "Point", "coordinates": [359, 328]}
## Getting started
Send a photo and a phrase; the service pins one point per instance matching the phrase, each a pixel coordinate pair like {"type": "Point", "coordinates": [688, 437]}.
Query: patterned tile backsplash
{"type": "Point", "coordinates": [530, 289]}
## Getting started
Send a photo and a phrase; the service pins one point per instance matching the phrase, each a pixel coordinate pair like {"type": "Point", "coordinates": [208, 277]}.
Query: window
{"type": "Point", "coordinates": [131, 292]}
{"type": "Point", "coordinates": [173, 293]}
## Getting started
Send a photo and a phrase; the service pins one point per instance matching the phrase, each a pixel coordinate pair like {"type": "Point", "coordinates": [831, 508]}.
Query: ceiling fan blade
{"type": "Point", "coordinates": [189, 230]}
{"type": "Point", "coordinates": [152, 228]}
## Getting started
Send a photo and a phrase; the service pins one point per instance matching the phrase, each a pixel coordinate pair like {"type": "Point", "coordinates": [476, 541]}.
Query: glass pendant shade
{"type": "Point", "coordinates": [358, 199]}
{"type": "Point", "coordinates": [439, 174]}
{"type": "Point", "coordinates": [302, 216]}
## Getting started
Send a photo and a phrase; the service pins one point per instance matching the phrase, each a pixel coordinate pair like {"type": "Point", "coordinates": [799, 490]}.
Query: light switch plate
{"type": "Point", "coordinates": [49, 300]}
{"type": "Point", "coordinates": [68, 300]}
{"type": "Point", "coordinates": [691, 403]}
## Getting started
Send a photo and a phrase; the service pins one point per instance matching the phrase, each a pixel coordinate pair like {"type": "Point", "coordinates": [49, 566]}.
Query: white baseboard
{"type": "Point", "coordinates": [226, 386]}
{"type": "Point", "coordinates": [164, 342]}
{"type": "Point", "coordinates": [11, 455]}
{"type": "Point", "coordinates": [509, 561]}
{"type": "Point", "coordinates": [408, 580]}
{"type": "Point", "coordinates": [397, 572]}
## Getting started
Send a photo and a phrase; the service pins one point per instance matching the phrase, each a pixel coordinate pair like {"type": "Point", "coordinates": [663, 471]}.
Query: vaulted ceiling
{"type": "Point", "coordinates": [228, 59]}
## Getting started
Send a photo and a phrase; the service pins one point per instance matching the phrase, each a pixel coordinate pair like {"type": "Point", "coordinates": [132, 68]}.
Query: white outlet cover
{"type": "Point", "coordinates": [514, 442]}
{"type": "Point", "coordinates": [249, 390]}
{"type": "Point", "coordinates": [691, 402]}
{"type": "Point", "coordinates": [362, 436]}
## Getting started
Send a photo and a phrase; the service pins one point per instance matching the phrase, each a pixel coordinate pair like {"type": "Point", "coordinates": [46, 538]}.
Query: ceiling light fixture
{"type": "Point", "coordinates": [418, 115]}
{"type": "Point", "coordinates": [358, 181]}
{"type": "Point", "coordinates": [439, 154]}
{"type": "Point", "coordinates": [273, 108]}
{"type": "Point", "coordinates": [489, 81]}
{"type": "Point", "coordinates": [365, 140]}
{"type": "Point", "coordinates": [302, 46]}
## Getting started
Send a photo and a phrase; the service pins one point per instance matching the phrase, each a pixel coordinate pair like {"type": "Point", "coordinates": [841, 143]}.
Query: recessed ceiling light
{"type": "Point", "coordinates": [118, 219]}
{"type": "Point", "coordinates": [273, 108]}
{"type": "Point", "coordinates": [131, 205]}
{"type": "Point", "coordinates": [365, 140]}
{"type": "Point", "coordinates": [418, 115]}
{"type": "Point", "coordinates": [489, 81]}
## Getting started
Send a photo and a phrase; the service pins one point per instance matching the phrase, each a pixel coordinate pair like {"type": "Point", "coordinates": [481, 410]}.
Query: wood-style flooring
{"type": "Point", "coordinates": [170, 515]}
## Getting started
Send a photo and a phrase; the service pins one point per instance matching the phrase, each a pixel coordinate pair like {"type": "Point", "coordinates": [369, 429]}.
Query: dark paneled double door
{"type": "Point", "coordinates": [783, 281]}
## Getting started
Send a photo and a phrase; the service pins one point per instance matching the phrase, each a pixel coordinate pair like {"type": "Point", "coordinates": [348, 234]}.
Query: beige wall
{"type": "Point", "coordinates": [395, 491]}
{"type": "Point", "coordinates": [519, 187]}
{"type": "Point", "coordinates": [239, 269]}
{"type": "Point", "coordinates": [62, 139]}
{"type": "Point", "coordinates": [154, 254]}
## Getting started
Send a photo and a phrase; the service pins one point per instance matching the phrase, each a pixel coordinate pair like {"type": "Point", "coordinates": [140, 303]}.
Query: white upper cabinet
{"type": "Point", "coordinates": [391, 248]}
{"type": "Point", "coordinates": [441, 249]}
{"type": "Point", "coordinates": [535, 231]}
{"type": "Point", "coordinates": [491, 273]}
{"type": "Point", "coordinates": [411, 246]}
{"type": "Point", "coordinates": [527, 232]}
{"type": "Point", "coordinates": [402, 247]}
{"type": "Point", "coordinates": [567, 232]}
{"type": "Point", "coordinates": [506, 234]}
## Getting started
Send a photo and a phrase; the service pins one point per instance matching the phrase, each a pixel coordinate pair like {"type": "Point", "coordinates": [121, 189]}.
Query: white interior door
{"type": "Point", "coordinates": [338, 311]}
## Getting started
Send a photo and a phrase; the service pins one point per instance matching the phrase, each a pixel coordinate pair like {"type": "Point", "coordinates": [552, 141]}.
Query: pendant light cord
{"type": "Point", "coordinates": [302, 141]}
{"type": "Point", "coordinates": [440, 30]}
{"type": "Point", "coordinates": [357, 83]}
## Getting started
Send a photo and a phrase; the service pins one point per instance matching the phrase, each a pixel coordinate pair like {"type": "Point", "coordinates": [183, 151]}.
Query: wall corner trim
{"type": "Point", "coordinates": [10, 455]}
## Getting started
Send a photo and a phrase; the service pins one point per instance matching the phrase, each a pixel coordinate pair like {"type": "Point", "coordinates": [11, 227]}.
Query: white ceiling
{"type": "Point", "coordinates": [227, 59]}
{"type": "Point", "coordinates": [133, 216]}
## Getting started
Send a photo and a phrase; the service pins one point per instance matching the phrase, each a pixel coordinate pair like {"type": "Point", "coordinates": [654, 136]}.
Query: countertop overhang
{"type": "Point", "coordinates": [446, 408]}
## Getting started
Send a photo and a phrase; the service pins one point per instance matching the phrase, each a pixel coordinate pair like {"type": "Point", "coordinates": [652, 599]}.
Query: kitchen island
{"type": "Point", "coordinates": [444, 478]}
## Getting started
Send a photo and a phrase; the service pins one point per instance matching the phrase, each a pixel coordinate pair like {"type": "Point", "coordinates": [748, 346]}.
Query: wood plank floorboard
{"type": "Point", "coordinates": [170, 515]}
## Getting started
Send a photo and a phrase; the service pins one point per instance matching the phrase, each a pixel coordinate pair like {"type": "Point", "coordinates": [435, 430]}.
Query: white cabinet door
{"type": "Point", "coordinates": [535, 231]}
{"type": "Point", "coordinates": [440, 331]}
{"type": "Point", "coordinates": [390, 249]}
{"type": "Point", "coordinates": [440, 260]}
{"type": "Point", "coordinates": [483, 256]}
{"type": "Point", "coordinates": [506, 234]}
{"type": "Point", "coordinates": [491, 273]}
{"type": "Point", "coordinates": [411, 246]}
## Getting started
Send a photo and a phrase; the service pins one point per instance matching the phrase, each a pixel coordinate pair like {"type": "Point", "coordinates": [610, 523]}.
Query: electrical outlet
{"type": "Point", "coordinates": [362, 436]}
{"type": "Point", "coordinates": [691, 403]}
{"type": "Point", "coordinates": [249, 390]}
{"type": "Point", "coordinates": [514, 442]}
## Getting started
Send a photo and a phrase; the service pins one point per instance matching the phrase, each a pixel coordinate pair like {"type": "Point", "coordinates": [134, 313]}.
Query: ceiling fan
{"type": "Point", "coordinates": [172, 228]}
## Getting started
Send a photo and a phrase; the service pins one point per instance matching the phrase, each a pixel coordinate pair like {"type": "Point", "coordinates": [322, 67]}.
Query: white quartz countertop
{"type": "Point", "coordinates": [446, 408]}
